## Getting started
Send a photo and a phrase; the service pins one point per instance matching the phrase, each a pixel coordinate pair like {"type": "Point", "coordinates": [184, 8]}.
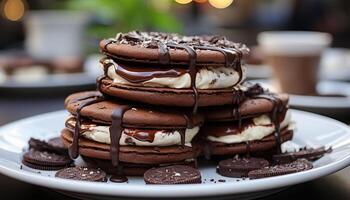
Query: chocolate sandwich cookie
{"type": "Point", "coordinates": [130, 169]}
{"type": "Point", "coordinates": [281, 169]}
{"type": "Point", "coordinates": [239, 167]}
{"type": "Point", "coordinates": [119, 131]}
{"type": "Point", "coordinates": [81, 173]}
{"type": "Point", "coordinates": [43, 160]}
{"type": "Point", "coordinates": [173, 70]}
{"type": "Point", "coordinates": [175, 174]}
{"type": "Point", "coordinates": [310, 154]}
{"type": "Point", "coordinates": [259, 123]}
{"type": "Point", "coordinates": [54, 145]}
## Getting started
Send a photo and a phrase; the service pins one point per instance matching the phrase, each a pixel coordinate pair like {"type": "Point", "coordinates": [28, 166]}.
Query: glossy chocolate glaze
{"type": "Point", "coordinates": [141, 74]}
{"type": "Point", "coordinates": [277, 112]}
{"type": "Point", "coordinates": [115, 131]}
{"type": "Point", "coordinates": [73, 149]}
{"type": "Point", "coordinates": [142, 135]}
{"type": "Point", "coordinates": [118, 179]}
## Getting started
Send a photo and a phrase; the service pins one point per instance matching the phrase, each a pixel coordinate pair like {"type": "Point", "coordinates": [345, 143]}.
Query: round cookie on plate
{"type": "Point", "coordinates": [173, 70]}
{"type": "Point", "coordinates": [260, 123]}
{"type": "Point", "coordinates": [129, 134]}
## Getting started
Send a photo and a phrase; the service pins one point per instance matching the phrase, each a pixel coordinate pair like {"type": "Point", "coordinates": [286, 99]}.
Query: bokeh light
{"type": "Point", "coordinates": [14, 10]}
{"type": "Point", "coordinates": [220, 3]}
{"type": "Point", "coordinates": [183, 1]}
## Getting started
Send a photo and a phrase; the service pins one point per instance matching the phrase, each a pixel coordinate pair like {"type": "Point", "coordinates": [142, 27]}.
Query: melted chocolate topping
{"type": "Point", "coordinates": [118, 179]}
{"type": "Point", "coordinates": [275, 115]}
{"type": "Point", "coordinates": [116, 132]}
{"type": "Point", "coordinates": [142, 135]}
{"type": "Point", "coordinates": [142, 74]}
{"type": "Point", "coordinates": [192, 69]}
{"type": "Point", "coordinates": [74, 147]}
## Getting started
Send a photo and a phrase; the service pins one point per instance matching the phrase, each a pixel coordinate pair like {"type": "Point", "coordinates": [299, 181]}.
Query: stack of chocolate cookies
{"type": "Point", "coordinates": [166, 99]}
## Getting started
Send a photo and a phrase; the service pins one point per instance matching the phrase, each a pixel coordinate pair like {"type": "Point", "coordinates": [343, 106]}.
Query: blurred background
{"type": "Point", "coordinates": [49, 48]}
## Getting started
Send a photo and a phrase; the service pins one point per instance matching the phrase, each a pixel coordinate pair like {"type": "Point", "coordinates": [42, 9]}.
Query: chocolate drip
{"type": "Point", "coordinates": [106, 64]}
{"type": "Point", "coordinates": [237, 115]}
{"type": "Point", "coordinates": [109, 41]}
{"type": "Point", "coordinates": [118, 179]}
{"type": "Point", "coordinates": [142, 74]}
{"type": "Point", "coordinates": [231, 59]}
{"type": "Point", "coordinates": [183, 136]}
{"type": "Point", "coordinates": [192, 69]}
{"type": "Point", "coordinates": [74, 147]}
{"type": "Point", "coordinates": [115, 131]}
{"type": "Point", "coordinates": [207, 150]}
{"type": "Point", "coordinates": [237, 65]}
{"type": "Point", "coordinates": [164, 56]}
{"type": "Point", "coordinates": [238, 98]}
{"type": "Point", "coordinates": [92, 95]}
{"type": "Point", "coordinates": [275, 116]}
{"type": "Point", "coordinates": [142, 135]}
{"type": "Point", "coordinates": [248, 148]}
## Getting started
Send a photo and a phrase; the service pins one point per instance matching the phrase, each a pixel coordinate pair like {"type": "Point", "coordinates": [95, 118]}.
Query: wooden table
{"type": "Point", "coordinates": [335, 186]}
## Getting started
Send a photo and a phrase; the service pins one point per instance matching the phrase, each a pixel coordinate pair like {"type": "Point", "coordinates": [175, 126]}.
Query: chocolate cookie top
{"type": "Point", "coordinates": [81, 173]}
{"type": "Point", "coordinates": [44, 160]}
{"type": "Point", "coordinates": [175, 174]}
{"type": "Point", "coordinates": [239, 167]}
{"type": "Point", "coordinates": [170, 48]}
{"type": "Point", "coordinates": [135, 116]}
{"type": "Point", "coordinates": [50, 146]}
{"type": "Point", "coordinates": [306, 153]}
{"type": "Point", "coordinates": [282, 169]}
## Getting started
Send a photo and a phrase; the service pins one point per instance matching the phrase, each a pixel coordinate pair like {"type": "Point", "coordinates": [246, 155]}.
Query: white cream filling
{"type": "Point", "coordinates": [261, 127]}
{"type": "Point", "coordinates": [161, 138]}
{"type": "Point", "coordinates": [206, 78]}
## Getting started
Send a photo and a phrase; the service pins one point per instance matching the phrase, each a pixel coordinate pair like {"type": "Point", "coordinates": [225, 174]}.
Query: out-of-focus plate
{"type": "Point", "coordinates": [327, 105]}
{"type": "Point", "coordinates": [311, 130]}
{"type": "Point", "coordinates": [48, 82]}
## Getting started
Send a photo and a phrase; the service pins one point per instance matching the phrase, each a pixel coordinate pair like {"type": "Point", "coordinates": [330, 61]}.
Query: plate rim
{"type": "Point", "coordinates": [227, 188]}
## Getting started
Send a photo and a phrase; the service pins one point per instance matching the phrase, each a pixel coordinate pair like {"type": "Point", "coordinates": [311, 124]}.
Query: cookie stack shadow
{"type": "Point", "coordinates": [167, 99]}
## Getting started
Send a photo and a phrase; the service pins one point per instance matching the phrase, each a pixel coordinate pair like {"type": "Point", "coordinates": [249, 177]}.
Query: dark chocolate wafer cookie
{"type": "Point", "coordinates": [281, 169]}
{"type": "Point", "coordinates": [81, 173]}
{"type": "Point", "coordinates": [175, 174]}
{"type": "Point", "coordinates": [51, 146]}
{"type": "Point", "coordinates": [239, 167]}
{"type": "Point", "coordinates": [170, 48]}
{"type": "Point", "coordinates": [57, 143]}
{"type": "Point", "coordinates": [45, 160]}
{"type": "Point", "coordinates": [307, 153]}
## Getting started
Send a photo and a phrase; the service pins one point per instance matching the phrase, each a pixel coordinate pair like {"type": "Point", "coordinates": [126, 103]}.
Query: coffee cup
{"type": "Point", "coordinates": [294, 58]}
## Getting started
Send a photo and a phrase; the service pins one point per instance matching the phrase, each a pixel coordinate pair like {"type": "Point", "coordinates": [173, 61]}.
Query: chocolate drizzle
{"type": "Point", "coordinates": [275, 116]}
{"type": "Point", "coordinates": [115, 131]}
{"type": "Point", "coordinates": [74, 147]}
{"type": "Point", "coordinates": [118, 179]}
{"type": "Point", "coordinates": [141, 74]}
{"type": "Point", "coordinates": [192, 69]}
{"type": "Point", "coordinates": [109, 41]}
{"type": "Point", "coordinates": [164, 55]}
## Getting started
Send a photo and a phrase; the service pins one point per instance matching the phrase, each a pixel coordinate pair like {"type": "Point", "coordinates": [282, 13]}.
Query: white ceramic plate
{"type": "Point", "coordinates": [320, 104]}
{"type": "Point", "coordinates": [312, 130]}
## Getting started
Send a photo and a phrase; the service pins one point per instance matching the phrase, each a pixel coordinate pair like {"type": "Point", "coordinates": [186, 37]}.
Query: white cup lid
{"type": "Point", "coordinates": [293, 42]}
